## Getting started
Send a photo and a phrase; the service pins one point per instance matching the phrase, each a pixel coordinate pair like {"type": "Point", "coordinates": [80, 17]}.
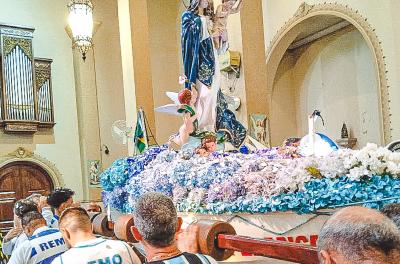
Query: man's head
{"type": "Point", "coordinates": [359, 235]}
{"type": "Point", "coordinates": [156, 220]}
{"type": "Point", "coordinates": [31, 221]}
{"type": "Point", "coordinates": [24, 206]}
{"type": "Point", "coordinates": [74, 224]}
{"type": "Point", "coordinates": [393, 212]}
{"type": "Point", "coordinates": [61, 198]}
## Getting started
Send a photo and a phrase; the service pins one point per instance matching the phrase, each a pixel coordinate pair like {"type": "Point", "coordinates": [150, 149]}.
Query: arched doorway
{"type": "Point", "coordinates": [288, 46]}
{"type": "Point", "coordinates": [18, 180]}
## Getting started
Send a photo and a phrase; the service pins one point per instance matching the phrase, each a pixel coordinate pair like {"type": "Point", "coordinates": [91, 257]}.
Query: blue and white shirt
{"type": "Point", "coordinates": [99, 250]}
{"type": "Point", "coordinates": [51, 219]}
{"type": "Point", "coordinates": [187, 258]}
{"type": "Point", "coordinates": [41, 248]}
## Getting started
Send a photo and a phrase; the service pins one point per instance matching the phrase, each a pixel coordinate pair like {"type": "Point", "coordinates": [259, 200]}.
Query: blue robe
{"type": "Point", "coordinates": [198, 56]}
{"type": "Point", "coordinates": [199, 64]}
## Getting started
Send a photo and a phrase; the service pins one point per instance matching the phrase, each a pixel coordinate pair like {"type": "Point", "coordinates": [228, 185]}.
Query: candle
{"type": "Point", "coordinates": [108, 212]}
{"type": "Point", "coordinates": [311, 133]}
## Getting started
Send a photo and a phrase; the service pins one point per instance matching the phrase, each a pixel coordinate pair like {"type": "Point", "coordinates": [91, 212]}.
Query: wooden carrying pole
{"type": "Point", "coordinates": [268, 248]}
{"type": "Point", "coordinates": [219, 240]}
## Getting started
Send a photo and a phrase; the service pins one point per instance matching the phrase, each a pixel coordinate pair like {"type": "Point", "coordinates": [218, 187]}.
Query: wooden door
{"type": "Point", "coordinates": [19, 180]}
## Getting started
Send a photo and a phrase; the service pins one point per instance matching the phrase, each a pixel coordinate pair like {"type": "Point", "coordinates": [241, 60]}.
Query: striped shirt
{"type": "Point", "coordinates": [41, 248]}
{"type": "Point", "coordinates": [99, 250]}
{"type": "Point", "coordinates": [187, 258]}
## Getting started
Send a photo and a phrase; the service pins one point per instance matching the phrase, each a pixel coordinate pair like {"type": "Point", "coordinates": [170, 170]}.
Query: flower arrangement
{"type": "Point", "coordinates": [264, 181]}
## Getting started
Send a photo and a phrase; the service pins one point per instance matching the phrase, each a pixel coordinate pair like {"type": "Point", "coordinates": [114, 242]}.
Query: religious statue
{"type": "Point", "coordinates": [344, 133]}
{"type": "Point", "coordinates": [202, 71]}
{"type": "Point", "coordinates": [221, 21]}
{"type": "Point", "coordinates": [208, 145]}
{"type": "Point", "coordinates": [187, 98]}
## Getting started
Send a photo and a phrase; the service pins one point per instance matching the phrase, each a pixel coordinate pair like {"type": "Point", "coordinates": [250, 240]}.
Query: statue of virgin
{"type": "Point", "coordinates": [201, 69]}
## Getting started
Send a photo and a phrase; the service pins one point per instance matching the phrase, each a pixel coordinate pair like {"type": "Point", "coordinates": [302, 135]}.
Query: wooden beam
{"type": "Point", "coordinates": [319, 34]}
{"type": "Point", "coordinates": [269, 248]}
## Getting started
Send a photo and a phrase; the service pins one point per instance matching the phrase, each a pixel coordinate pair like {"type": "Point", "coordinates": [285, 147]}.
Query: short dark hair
{"type": "Point", "coordinates": [24, 206]}
{"type": "Point", "coordinates": [393, 212]}
{"type": "Point", "coordinates": [31, 217]}
{"type": "Point", "coordinates": [156, 219]}
{"type": "Point", "coordinates": [76, 218]}
{"type": "Point", "coordinates": [59, 196]}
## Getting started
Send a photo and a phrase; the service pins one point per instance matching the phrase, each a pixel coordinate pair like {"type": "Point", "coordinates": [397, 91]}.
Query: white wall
{"type": "Point", "coordinates": [49, 17]}
{"type": "Point", "coordinates": [335, 75]}
{"type": "Point", "coordinates": [382, 15]}
{"type": "Point", "coordinates": [341, 81]}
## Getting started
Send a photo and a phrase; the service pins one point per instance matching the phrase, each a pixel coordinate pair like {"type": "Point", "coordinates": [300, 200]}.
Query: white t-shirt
{"type": "Point", "coordinates": [41, 248]}
{"type": "Point", "coordinates": [99, 250]}
{"type": "Point", "coordinates": [14, 243]}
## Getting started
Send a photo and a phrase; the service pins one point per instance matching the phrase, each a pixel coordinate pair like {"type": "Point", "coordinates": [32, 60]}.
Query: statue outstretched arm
{"type": "Point", "coordinates": [237, 9]}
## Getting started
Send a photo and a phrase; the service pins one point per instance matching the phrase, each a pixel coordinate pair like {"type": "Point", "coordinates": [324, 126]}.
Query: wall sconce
{"type": "Point", "coordinates": [80, 20]}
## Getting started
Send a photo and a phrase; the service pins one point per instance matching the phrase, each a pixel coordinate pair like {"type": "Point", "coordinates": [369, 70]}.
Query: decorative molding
{"type": "Point", "coordinates": [9, 43]}
{"type": "Point", "coordinates": [303, 10]}
{"type": "Point", "coordinates": [17, 31]}
{"type": "Point", "coordinates": [42, 73]}
{"type": "Point", "coordinates": [20, 127]}
{"type": "Point", "coordinates": [23, 154]}
{"type": "Point", "coordinates": [306, 11]}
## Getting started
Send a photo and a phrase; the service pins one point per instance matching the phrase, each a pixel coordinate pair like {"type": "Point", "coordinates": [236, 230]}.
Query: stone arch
{"type": "Point", "coordinates": [288, 33]}
{"type": "Point", "coordinates": [22, 154]}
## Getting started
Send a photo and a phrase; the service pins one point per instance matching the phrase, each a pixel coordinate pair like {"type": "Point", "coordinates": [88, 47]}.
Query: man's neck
{"type": "Point", "coordinates": [80, 237]}
{"type": "Point", "coordinates": [155, 253]}
{"type": "Point", "coordinates": [57, 212]}
{"type": "Point", "coordinates": [34, 228]}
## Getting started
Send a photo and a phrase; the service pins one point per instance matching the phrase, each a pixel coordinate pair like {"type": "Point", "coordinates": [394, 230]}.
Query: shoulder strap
{"type": "Point", "coordinates": [192, 258]}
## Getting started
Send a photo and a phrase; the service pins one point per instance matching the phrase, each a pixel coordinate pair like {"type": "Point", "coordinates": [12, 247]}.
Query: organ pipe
{"type": "Point", "coordinates": [26, 91]}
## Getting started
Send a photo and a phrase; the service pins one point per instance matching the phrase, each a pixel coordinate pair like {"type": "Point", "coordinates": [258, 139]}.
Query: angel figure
{"type": "Point", "coordinates": [187, 98]}
{"type": "Point", "coordinates": [208, 145]}
{"type": "Point", "coordinates": [221, 21]}
{"type": "Point", "coordinates": [184, 106]}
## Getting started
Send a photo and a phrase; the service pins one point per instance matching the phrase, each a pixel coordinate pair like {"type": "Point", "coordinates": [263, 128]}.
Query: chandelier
{"type": "Point", "coordinates": [80, 20]}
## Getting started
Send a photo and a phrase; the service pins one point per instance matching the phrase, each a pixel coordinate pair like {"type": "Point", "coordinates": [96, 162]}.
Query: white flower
{"type": "Point", "coordinates": [393, 168]}
{"type": "Point", "coordinates": [356, 173]}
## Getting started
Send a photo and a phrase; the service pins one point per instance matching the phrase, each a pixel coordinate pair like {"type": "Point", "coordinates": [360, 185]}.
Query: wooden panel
{"type": "Point", "coordinates": [19, 180]}
{"type": "Point", "coordinates": [268, 248]}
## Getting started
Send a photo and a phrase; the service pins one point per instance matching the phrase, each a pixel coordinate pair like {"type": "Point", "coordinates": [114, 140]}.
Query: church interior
{"type": "Point", "coordinates": [263, 121]}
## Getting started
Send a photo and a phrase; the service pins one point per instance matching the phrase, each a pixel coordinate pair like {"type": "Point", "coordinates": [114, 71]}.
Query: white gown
{"type": "Point", "coordinates": [206, 104]}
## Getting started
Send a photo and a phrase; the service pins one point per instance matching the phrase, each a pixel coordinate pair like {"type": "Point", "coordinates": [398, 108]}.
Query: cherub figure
{"type": "Point", "coordinates": [187, 98]}
{"type": "Point", "coordinates": [221, 21]}
{"type": "Point", "coordinates": [208, 145]}
{"type": "Point", "coordinates": [183, 105]}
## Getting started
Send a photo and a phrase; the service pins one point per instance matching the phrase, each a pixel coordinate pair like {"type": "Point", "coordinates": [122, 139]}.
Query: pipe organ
{"type": "Point", "coordinates": [26, 94]}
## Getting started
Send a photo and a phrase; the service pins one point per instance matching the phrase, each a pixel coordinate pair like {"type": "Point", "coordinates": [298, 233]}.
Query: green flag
{"type": "Point", "coordinates": [139, 135]}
